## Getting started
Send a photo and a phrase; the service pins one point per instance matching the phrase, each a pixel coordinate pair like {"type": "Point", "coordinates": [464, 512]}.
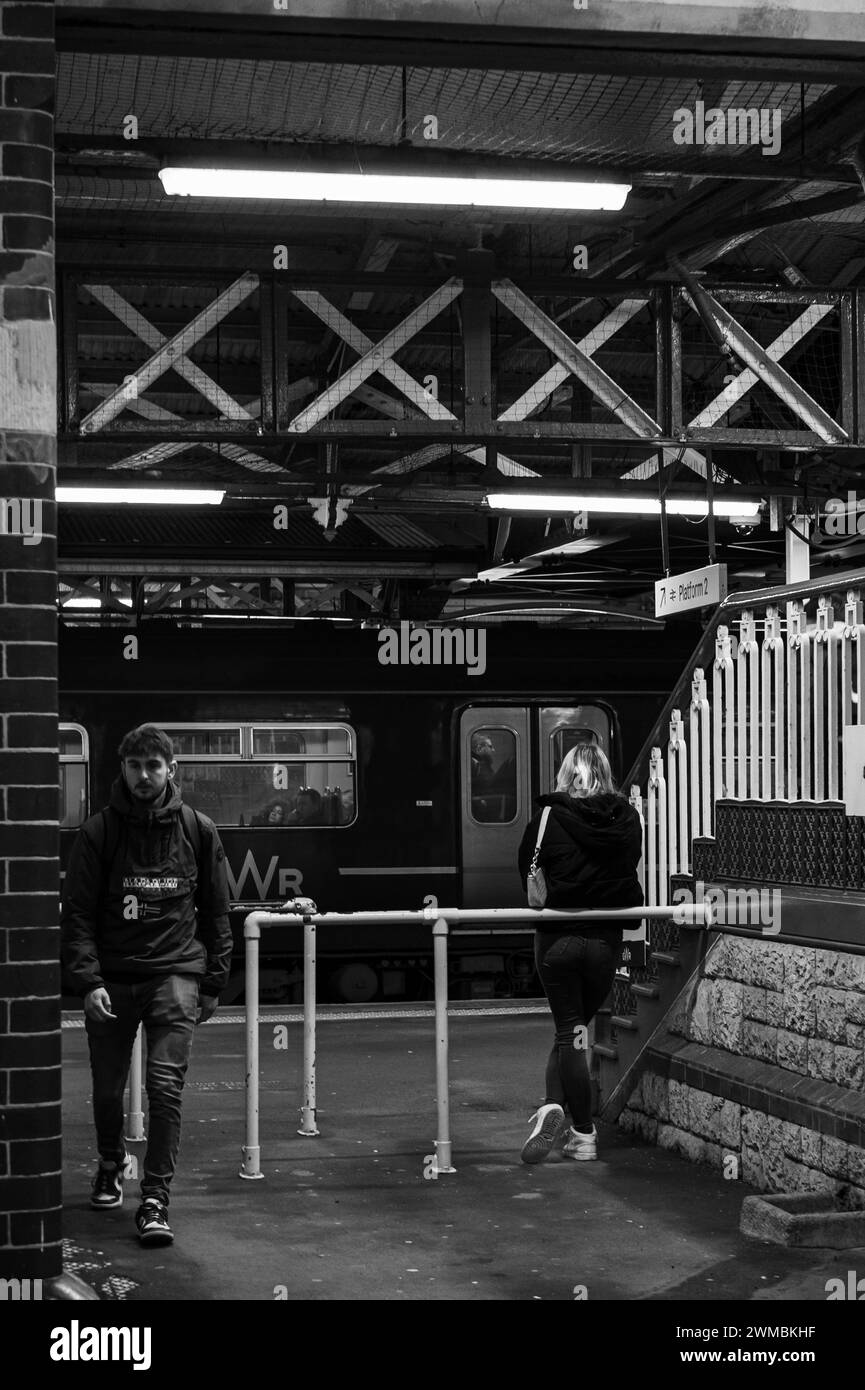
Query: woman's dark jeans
{"type": "Point", "coordinates": [577, 974]}
{"type": "Point", "coordinates": [167, 1006]}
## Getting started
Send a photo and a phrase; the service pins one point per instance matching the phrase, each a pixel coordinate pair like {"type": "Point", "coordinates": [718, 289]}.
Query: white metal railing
{"type": "Point", "coordinates": [785, 684]}
{"type": "Point", "coordinates": [439, 919]}
{"type": "Point", "coordinates": [135, 1110]}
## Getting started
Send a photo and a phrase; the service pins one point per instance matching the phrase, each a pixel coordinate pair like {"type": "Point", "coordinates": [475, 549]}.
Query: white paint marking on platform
{"type": "Point", "coordinates": [354, 1015]}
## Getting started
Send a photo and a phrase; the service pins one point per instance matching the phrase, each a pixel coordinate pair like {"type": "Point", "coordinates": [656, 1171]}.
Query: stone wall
{"type": "Point", "coordinates": [798, 1012]}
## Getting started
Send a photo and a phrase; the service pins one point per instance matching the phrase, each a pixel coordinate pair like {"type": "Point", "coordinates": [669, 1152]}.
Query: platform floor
{"type": "Point", "coordinates": [350, 1215]}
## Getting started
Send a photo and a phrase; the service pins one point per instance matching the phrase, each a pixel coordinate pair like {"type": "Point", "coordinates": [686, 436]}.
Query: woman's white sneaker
{"type": "Point", "coordinates": [548, 1123]}
{"type": "Point", "coordinates": [581, 1146]}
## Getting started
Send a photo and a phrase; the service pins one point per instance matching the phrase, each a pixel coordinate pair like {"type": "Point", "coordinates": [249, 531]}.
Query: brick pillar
{"type": "Point", "coordinates": [30, 1221]}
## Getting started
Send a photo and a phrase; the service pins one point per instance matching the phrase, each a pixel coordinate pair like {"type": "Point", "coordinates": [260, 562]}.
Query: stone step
{"type": "Point", "coordinates": [666, 957]}
{"type": "Point", "coordinates": [645, 991]}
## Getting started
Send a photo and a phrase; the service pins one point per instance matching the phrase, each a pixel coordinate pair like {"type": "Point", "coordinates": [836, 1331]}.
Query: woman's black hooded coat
{"type": "Point", "coordinates": [589, 853]}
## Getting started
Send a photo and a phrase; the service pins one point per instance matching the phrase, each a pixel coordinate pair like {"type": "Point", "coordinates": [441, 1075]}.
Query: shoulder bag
{"type": "Point", "coordinates": [536, 883]}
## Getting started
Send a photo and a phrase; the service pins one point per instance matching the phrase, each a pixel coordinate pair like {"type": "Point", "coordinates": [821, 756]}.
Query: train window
{"type": "Point", "coordinates": [204, 741]}
{"type": "Point", "coordinates": [268, 777]}
{"type": "Point", "coordinates": [74, 752]}
{"type": "Point", "coordinates": [493, 785]}
{"type": "Point", "coordinates": [326, 741]}
{"type": "Point", "coordinates": [563, 740]}
{"type": "Point", "coordinates": [561, 728]}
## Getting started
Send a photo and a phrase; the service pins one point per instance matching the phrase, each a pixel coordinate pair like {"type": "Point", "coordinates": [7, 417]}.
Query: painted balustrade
{"type": "Point", "coordinates": [785, 684]}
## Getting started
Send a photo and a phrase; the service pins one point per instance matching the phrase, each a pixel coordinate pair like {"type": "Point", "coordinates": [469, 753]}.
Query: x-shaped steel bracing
{"type": "Point", "coordinates": [378, 357]}
{"type": "Point", "coordinates": [574, 359]}
{"type": "Point", "coordinates": [170, 352]}
{"type": "Point", "coordinates": [762, 367]}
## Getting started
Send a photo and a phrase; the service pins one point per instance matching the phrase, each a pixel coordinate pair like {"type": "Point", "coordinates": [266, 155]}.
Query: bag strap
{"type": "Point", "coordinates": [192, 825]}
{"type": "Point", "coordinates": [545, 815]}
{"type": "Point", "coordinates": [193, 829]}
{"type": "Point", "coordinates": [111, 837]}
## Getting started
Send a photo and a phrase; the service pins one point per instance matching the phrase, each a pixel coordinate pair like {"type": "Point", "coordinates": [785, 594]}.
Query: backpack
{"type": "Point", "coordinates": [111, 841]}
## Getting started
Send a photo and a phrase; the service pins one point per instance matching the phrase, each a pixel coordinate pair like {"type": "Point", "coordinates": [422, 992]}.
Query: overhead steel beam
{"type": "Point", "coordinates": [180, 363]}
{"type": "Point", "coordinates": [89, 154]}
{"type": "Point", "coordinates": [735, 390]}
{"type": "Point", "coordinates": [536, 396]}
{"type": "Point", "coordinates": [160, 453]}
{"type": "Point", "coordinates": [426, 405]}
{"type": "Point", "coordinates": [749, 351]}
{"type": "Point", "coordinates": [377, 358]}
{"type": "Point", "coordinates": [580, 364]}
{"type": "Point", "coordinates": [514, 432]}
{"type": "Point", "coordinates": [172, 351]}
{"type": "Point", "coordinates": [513, 37]}
{"type": "Point", "coordinates": [368, 567]}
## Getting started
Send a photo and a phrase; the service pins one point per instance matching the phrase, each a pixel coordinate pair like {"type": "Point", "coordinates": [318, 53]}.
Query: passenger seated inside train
{"type": "Point", "coordinates": [277, 813]}
{"type": "Point", "coordinates": [493, 782]}
{"type": "Point", "coordinates": [308, 809]}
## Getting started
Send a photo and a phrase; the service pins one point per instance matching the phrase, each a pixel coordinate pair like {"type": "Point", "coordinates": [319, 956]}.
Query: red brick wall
{"type": "Point", "coordinates": [29, 974]}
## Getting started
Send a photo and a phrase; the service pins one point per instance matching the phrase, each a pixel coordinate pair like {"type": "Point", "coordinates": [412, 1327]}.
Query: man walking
{"type": "Point", "coordinates": [146, 939]}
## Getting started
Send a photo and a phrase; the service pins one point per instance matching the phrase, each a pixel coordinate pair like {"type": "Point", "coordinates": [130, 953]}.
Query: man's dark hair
{"type": "Point", "coordinates": [313, 795]}
{"type": "Point", "coordinates": [146, 739]}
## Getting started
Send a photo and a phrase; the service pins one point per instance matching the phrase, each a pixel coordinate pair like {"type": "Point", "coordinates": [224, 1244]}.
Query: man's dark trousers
{"type": "Point", "coordinates": [167, 1005]}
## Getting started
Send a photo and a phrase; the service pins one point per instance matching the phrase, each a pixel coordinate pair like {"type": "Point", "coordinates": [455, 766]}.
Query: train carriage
{"type": "Point", "coordinates": [360, 785]}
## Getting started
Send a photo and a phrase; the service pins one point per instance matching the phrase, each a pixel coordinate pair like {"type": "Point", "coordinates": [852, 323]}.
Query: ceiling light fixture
{"type": "Point", "coordinates": [143, 496]}
{"type": "Point", "coordinates": [422, 189]}
{"type": "Point", "coordinates": [548, 503]}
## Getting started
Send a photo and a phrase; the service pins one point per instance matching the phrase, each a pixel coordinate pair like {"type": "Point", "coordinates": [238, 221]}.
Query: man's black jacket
{"type": "Point", "coordinates": [589, 853]}
{"type": "Point", "coordinates": [146, 913]}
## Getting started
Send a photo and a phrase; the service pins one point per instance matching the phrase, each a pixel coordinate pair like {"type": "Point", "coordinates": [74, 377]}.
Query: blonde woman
{"type": "Point", "coordinates": [589, 854]}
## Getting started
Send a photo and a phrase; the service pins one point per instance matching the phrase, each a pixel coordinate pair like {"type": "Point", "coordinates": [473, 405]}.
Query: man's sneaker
{"type": "Point", "coordinates": [548, 1122]}
{"type": "Point", "coordinates": [107, 1188]}
{"type": "Point", "coordinates": [581, 1146]}
{"type": "Point", "coordinates": [153, 1227]}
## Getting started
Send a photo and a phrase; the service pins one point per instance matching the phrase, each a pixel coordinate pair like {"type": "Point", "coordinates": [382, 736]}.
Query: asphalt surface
{"type": "Point", "coordinates": [350, 1215]}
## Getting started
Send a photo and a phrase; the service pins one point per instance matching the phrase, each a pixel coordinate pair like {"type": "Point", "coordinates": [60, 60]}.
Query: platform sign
{"type": "Point", "coordinates": [694, 589]}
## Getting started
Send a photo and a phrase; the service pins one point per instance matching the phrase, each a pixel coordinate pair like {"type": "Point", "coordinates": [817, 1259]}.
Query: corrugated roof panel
{"type": "Point", "coordinates": [398, 531]}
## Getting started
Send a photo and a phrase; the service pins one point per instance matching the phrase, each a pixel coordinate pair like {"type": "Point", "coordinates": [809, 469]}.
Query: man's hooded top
{"type": "Point", "coordinates": [589, 853]}
{"type": "Point", "coordinates": [155, 908]}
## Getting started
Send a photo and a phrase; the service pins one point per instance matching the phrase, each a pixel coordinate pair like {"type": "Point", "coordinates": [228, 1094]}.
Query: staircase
{"type": "Point", "coordinates": [745, 791]}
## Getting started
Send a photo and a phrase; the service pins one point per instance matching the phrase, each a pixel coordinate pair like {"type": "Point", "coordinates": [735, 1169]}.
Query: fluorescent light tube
{"type": "Point", "coordinates": [629, 506]}
{"type": "Point", "coordinates": [94, 602]}
{"type": "Point", "coordinates": [143, 496]}
{"type": "Point", "coordinates": [424, 189]}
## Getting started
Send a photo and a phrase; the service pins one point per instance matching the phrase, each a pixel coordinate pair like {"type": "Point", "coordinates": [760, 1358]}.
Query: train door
{"type": "Point", "coordinates": [509, 754]}
{"type": "Point", "coordinates": [559, 728]}
{"type": "Point", "coordinates": [495, 794]}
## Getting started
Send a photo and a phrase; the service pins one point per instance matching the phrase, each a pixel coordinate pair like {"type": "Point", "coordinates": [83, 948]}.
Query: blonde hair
{"type": "Point", "coordinates": [591, 761]}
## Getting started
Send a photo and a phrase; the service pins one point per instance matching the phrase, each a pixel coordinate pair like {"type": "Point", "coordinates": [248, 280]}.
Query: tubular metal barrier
{"type": "Point", "coordinates": [135, 1112]}
{"type": "Point", "coordinates": [700, 914]}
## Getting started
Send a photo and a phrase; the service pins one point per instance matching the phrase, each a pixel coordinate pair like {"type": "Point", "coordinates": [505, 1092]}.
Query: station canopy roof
{"type": "Point", "coordinates": [368, 496]}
